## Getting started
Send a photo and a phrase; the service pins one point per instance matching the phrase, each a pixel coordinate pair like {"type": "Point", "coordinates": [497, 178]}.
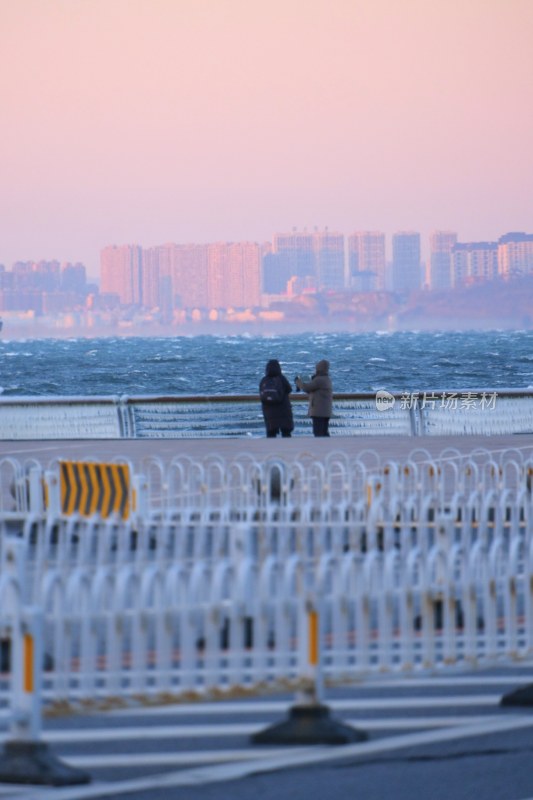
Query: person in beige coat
{"type": "Point", "coordinates": [320, 391]}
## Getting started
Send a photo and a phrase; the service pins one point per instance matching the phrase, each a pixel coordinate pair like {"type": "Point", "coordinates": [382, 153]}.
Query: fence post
{"type": "Point", "coordinates": [309, 720]}
{"type": "Point", "coordinates": [140, 498]}
{"type": "Point", "coordinates": [36, 490]}
{"type": "Point", "coordinates": [52, 493]}
{"type": "Point", "coordinates": [26, 758]}
{"type": "Point", "coordinates": [523, 695]}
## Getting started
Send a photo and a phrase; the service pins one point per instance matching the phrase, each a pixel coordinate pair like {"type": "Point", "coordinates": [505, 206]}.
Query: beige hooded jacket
{"type": "Point", "coordinates": [320, 391]}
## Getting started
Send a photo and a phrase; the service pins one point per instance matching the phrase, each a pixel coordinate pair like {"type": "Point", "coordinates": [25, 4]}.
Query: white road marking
{"type": "Point", "coordinates": [80, 735]}
{"type": "Point", "coordinates": [252, 707]}
{"type": "Point", "coordinates": [173, 759]}
{"type": "Point", "coordinates": [277, 706]}
{"type": "Point", "coordinates": [314, 755]}
{"type": "Point", "coordinates": [218, 756]}
{"type": "Point", "coordinates": [239, 729]}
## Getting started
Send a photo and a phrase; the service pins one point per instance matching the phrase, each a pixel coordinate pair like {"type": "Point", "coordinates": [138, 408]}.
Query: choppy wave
{"type": "Point", "coordinates": [402, 361]}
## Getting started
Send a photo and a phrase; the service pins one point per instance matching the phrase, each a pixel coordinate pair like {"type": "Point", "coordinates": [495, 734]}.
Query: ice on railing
{"type": "Point", "coordinates": [350, 417]}
{"type": "Point", "coordinates": [353, 415]}
{"type": "Point", "coordinates": [498, 415]}
{"type": "Point", "coordinates": [59, 421]}
{"type": "Point", "coordinates": [155, 420]}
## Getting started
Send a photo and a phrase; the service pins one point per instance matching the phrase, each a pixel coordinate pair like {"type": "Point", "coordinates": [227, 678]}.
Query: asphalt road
{"type": "Point", "coordinates": [434, 737]}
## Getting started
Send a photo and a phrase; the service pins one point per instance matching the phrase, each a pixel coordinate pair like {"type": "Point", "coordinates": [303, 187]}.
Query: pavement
{"type": "Point", "coordinates": [432, 736]}
{"type": "Point", "coordinates": [386, 447]}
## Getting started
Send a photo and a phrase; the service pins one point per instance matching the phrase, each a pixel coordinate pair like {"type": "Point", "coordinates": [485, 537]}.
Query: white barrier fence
{"type": "Point", "coordinates": [212, 581]}
{"type": "Point", "coordinates": [233, 487]}
{"type": "Point", "coordinates": [147, 417]}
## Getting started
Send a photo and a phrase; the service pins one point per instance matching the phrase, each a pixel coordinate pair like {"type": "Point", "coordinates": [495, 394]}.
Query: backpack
{"type": "Point", "coordinates": [271, 391]}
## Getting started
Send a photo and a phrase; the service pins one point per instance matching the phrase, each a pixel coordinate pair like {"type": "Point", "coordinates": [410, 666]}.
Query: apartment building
{"type": "Point", "coordinates": [473, 261]}
{"type": "Point", "coordinates": [406, 265]}
{"type": "Point", "coordinates": [515, 254]}
{"type": "Point", "coordinates": [317, 255]}
{"type": "Point", "coordinates": [233, 275]}
{"type": "Point", "coordinates": [366, 261]}
{"type": "Point", "coordinates": [121, 273]}
{"type": "Point", "coordinates": [441, 244]}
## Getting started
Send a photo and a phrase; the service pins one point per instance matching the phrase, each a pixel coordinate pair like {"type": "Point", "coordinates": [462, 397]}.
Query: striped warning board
{"type": "Point", "coordinates": [89, 488]}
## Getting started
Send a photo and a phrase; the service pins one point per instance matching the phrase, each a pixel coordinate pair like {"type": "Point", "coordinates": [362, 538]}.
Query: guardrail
{"type": "Point", "coordinates": [223, 571]}
{"type": "Point", "coordinates": [410, 570]}
{"type": "Point", "coordinates": [149, 417]}
{"type": "Point", "coordinates": [215, 485]}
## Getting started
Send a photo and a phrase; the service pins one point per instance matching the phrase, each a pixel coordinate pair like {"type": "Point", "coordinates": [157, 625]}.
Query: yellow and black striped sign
{"type": "Point", "coordinates": [88, 488]}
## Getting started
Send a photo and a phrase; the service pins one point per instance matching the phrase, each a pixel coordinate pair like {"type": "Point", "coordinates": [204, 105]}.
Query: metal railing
{"type": "Point", "coordinates": [216, 577]}
{"type": "Point", "coordinates": [148, 417]}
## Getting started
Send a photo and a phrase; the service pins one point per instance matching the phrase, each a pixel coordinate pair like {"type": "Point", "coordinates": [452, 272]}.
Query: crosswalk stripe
{"type": "Point", "coordinates": [172, 759]}
{"type": "Point", "coordinates": [219, 773]}
{"type": "Point", "coordinates": [73, 735]}
{"type": "Point", "coordinates": [219, 756]}
{"type": "Point", "coordinates": [245, 707]}
{"type": "Point", "coordinates": [277, 706]}
{"type": "Point", "coordinates": [405, 721]}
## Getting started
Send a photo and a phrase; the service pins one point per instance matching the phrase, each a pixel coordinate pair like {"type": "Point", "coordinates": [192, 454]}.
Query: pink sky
{"type": "Point", "coordinates": [201, 120]}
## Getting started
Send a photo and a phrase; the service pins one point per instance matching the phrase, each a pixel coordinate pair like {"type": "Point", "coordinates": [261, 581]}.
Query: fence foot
{"type": "Point", "coordinates": [309, 724]}
{"type": "Point", "coordinates": [33, 763]}
{"type": "Point", "coordinates": [519, 697]}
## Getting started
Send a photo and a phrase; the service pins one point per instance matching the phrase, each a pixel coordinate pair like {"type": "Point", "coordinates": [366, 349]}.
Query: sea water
{"type": "Point", "coordinates": [206, 365]}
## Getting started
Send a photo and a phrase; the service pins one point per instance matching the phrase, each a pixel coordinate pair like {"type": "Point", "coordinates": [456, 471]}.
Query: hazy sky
{"type": "Point", "coordinates": [151, 121]}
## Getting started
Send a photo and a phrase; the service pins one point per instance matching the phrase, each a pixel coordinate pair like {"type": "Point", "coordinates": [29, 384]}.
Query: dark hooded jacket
{"type": "Point", "coordinates": [320, 391]}
{"type": "Point", "coordinates": [278, 415]}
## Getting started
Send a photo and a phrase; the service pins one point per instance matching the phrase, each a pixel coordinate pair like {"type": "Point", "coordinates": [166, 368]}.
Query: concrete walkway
{"type": "Point", "coordinates": [386, 447]}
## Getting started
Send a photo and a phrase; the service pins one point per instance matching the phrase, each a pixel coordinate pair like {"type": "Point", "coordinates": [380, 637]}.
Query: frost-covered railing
{"type": "Point", "coordinates": [148, 417]}
{"type": "Point", "coordinates": [60, 418]}
{"type": "Point", "coordinates": [413, 565]}
{"type": "Point", "coordinates": [446, 413]}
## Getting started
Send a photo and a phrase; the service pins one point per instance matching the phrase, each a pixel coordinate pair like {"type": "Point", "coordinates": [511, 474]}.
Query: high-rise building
{"type": "Point", "coordinates": [440, 254]}
{"type": "Point", "coordinates": [329, 256]}
{"type": "Point", "coordinates": [121, 273]}
{"type": "Point", "coordinates": [318, 255]}
{"type": "Point", "coordinates": [190, 276]}
{"type": "Point", "coordinates": [150, 280]}
{"type": "Point", "coordinates": [73, 278]}
{"type": "Point", "coordinates": [473, 261]}
{"type": "Point", "coordinates": [276, 271]}
{"type": "Point", "coordinates": [515, 254]}
{"type": "Point", "coordinates": [297, 253]}
{"type": "Point", "coordinates": [366, 261]}
{"type": "Point", "coordinates": [406, 266]}
{"type": "Point", "coordinates": [37, 276]}
{"type": "Point", "coordinates": [233, 275]}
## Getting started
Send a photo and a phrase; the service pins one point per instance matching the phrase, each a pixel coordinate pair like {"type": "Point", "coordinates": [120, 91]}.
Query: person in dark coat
{"type": "Point", "coordinates": [320, 391]}
{"type": "Point", "coordinates": [278, 414]}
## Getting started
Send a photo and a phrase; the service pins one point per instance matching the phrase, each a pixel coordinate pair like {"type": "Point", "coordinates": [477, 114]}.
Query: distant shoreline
{"type": "Point", "coordinates": [38, 331]}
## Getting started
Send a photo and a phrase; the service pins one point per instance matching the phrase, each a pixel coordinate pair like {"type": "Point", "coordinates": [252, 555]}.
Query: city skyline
{"type": "Point", "coordinates": [171, 278]}
{"type": "Point", "coordinates": [194, 120]}
{"type": "Point", "coordinates": [426, 245]}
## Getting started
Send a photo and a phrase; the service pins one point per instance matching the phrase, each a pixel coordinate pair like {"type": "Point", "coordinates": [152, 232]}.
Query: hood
{"type": "Point", "coordinates": [273, 368]}
{"type": "Point", "coordinates": [322, 368]}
